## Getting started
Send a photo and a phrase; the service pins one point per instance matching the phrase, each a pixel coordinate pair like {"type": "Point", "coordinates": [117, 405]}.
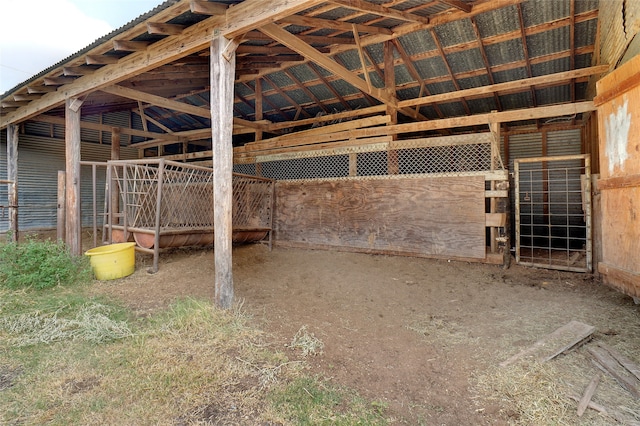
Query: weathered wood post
{"type": "Point", "coordinates": [60, 229]}
{"type": "Point", "coordinates": [73, 221]}
{"type": "Point", "coordinates": [12, 177]}
{"type": "Point", "coordinates": [222, 69]}
{"type": "Point", "coordinates": [113, 184]}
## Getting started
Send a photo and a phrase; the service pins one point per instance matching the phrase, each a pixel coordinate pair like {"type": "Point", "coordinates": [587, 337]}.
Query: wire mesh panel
{"type": "Point", "coordinates": [178, 196]}
{"type": "Point", "coordinates": [307, 168]}
{"type": "Point", "coordinates": [445, 159]}
{"type": "Point", "coordinates": [553, 212]}
{"type": "Point", "coordinates": [440, 155]}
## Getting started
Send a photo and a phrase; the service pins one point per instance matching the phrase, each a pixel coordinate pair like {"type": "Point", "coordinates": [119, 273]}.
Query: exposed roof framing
{"type": "Point", "coordinates": [306, 59]}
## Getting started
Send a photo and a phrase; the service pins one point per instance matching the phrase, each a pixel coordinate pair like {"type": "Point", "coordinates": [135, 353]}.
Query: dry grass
{"type": "Point", "coordinates": [306, 342]}
{"type": "Point", "coordinates": [193, 364]}
{"type": "Point", "coordinates": [441, 330]}
{"type": "Point", "coordinates": [91, 323]}
{"type": "Point", "coordinates": [533, 393]}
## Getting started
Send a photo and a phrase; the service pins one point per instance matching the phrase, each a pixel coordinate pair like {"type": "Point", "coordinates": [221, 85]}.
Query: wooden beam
{"type": "Point", "coordinates": [161, 28]}
{"type": "Point", "coordinates": [446, 123]}
{"type": "Point", "coordinates": [457, 4]}
{"type": "Point", "coordinates": [309, 39]}
{"type": "Point", "coordinates": [258, 106]}
{"type": "Point", "coordinates": [12, 177]}
{"type": "Point", "coordinates": [14, 104]}
{"type": "Point", "coordinates": [501, 87]}
{"type": "Point", "coordinates": [104, 127]}
{"type": "Point", "coordinates": [329, 117]}
{"type": "Point", "coordinates": [129, 46]}
{"type": "Point", "coordinates": [291, 41]}
{"type": "Point", "coordinates": [77, 71]}
{"type": "Point", "coordinates": [191, 40]}
{"type": "Point", "coordinates": [363, 61]}
{"type": "Point", "coordinates": [101, 60]}
{"type": "Point", "coordinates": [270, 50]}
{"type": "Point", "coordinates": [58, 81]}
{"type": "Point", "coordinates": [73, 220]}
{"type": "Point", "coordinates": [157, 101]}
{"type": "Point", "coordinates": [252, 14]}
{"type": "Point", "coordinates": [367, 7]}
{"type": "Point", "coordinates": [305, 21]}
{"type": "Point", "coordinates": [40, 89]}
{"type": "Point", "coordinates": [207, 8]}
{"type": "Point", "coordinates": [26, 97]}
{"type": "Point", "coordinates": [222, 76]}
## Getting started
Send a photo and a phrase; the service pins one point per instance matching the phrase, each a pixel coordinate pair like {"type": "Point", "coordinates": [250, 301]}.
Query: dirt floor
{"type": "Point", "coordinates": [415, 334]}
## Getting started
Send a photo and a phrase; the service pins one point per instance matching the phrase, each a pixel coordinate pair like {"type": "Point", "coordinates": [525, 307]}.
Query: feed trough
{"type": "Point", "coordinates": [160, 204]}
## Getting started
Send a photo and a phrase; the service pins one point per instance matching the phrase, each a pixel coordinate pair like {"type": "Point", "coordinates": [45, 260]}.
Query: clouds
{"type": "Point", "coordinates": [36, 34]}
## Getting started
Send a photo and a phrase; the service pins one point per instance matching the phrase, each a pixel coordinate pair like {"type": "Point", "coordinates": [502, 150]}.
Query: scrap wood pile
{"type": "Point", "coordinates": [606, 359]}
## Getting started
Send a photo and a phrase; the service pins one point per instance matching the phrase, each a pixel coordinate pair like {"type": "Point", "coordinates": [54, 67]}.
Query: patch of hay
{"type": "Point", "coordinates": [306, 342]}
{"type": "Point", "coordinates": [91, 323]}
{"type": "Point", "coordinates": [441, 330]}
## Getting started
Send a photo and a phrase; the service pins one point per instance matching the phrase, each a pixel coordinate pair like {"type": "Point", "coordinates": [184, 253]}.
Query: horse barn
{"type": "Point", "coordinates": [446, 129]}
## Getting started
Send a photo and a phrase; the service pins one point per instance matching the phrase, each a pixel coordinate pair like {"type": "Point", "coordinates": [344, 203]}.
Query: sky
{"type": "Point", "coordinates": [35, 34]}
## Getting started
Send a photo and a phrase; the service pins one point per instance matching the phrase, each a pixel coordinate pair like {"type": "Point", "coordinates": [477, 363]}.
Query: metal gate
{"type": "Point", "coordinates": [553, 212]}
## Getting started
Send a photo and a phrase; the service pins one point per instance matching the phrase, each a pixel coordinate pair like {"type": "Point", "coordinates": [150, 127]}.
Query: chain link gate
{"type": "Point", "coordinates": [553, 212]}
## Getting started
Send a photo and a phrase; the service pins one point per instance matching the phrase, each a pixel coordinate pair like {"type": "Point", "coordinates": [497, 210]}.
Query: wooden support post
{"type": "Point", "coordinates": [353, 164]}
{"type": "Point", "coordinates": [60, 234]}
{"type": "Point", "coordinates": [494, 127]}
{"type": "Point", "coordinates": [73, 220]}
{"type": "Point", "coordinates": [258, 107]}
{"type": "Point", "coordinates": [12, 176]}
{"type": "Point", "coordinates": [113, 185]}
{"type": "Point", "coordinates": [393, 166]}
{"type": "Point", "coordinates": [222, 77]}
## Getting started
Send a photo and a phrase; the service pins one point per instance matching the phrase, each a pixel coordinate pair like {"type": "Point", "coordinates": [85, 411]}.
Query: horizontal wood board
{"type": "Point", "coordinates": [439, 216]}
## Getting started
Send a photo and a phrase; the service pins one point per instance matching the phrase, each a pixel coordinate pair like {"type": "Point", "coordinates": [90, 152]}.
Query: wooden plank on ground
{"type": "Point", "coordinates": [608, 412]}
{"type": "Point", "coordinates": [631, 366]}
{"type": "Point", "coordinates": [607, 363]}
{"type": "Point", "coordinates": [561, 340]}
{"type": "Point", "coordinates": [588, 393]}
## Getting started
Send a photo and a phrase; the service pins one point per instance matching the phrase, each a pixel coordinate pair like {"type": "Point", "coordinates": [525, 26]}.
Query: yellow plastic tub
{"type": "Point", "coordinates": [113, 261]}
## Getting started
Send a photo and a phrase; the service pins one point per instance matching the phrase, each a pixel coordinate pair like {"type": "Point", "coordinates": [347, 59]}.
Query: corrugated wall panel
{"type": "Point", "coordinates": [566, 174]}
{"type": "Point", "coordinates": [613, 40]}
{"type": "Point", "coordinates": [39, 160]}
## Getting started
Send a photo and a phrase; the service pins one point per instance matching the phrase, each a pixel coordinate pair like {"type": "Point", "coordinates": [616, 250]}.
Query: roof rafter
{"type": "Point", "coordinates": [305, 21]}
{"type": "Point", "coordinates": [238, 20]}
{"type": "Point", "coordinates": [367, 7]}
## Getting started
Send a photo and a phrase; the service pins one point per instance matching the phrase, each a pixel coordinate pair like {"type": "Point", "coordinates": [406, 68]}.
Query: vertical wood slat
{"type": "Point", "coordinates": [258, 107]}
{"type": "Point", "coordinates": [222, 77]}
{"type": "Point", "coordinates": [12, 176]}
{"type": "Point", "coordinates": [113, 185]}
{"type": "Point", "coordinates": [393, 166]}
{"type": "Point", "coordinates": [73, 224]}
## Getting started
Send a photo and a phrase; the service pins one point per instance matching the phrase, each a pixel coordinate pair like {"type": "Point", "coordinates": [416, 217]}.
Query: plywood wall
{"type": "Point", "coordinates": [618, 103]}
{"type": "Point", "coordinates": [440, 217]}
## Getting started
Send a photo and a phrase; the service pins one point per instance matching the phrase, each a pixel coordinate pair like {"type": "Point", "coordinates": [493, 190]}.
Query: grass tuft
{"type": "Point", "coordinates": [41, 264]}
{"type": "Point", "coordinates": [309, 401]}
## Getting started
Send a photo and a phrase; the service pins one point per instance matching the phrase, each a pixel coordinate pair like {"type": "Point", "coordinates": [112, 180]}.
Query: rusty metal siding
{"type": "Point", "coordinates": [39, 160]}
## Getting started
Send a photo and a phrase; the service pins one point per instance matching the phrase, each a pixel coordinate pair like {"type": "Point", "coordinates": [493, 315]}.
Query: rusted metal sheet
{"type": "Point", "coordinates": [618, 103]}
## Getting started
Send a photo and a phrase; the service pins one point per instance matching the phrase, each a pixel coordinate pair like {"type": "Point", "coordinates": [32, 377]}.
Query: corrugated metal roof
{"type": "Point", "coordinates": [460, 57]}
